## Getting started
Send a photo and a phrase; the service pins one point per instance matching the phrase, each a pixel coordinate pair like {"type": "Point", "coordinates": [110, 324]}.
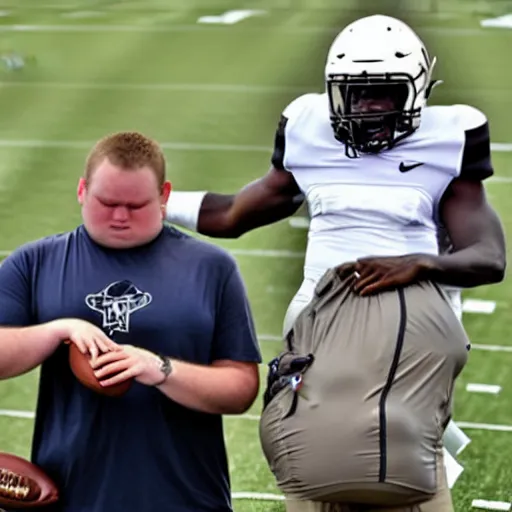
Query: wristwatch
{"type": "Point", "coordinates": [165, 367]}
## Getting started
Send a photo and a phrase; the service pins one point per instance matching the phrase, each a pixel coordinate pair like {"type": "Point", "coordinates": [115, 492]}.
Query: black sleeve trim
{"type": "Point", "coordinates": [476, 160]}
{"type": "Point", "coordinates": [279, 145]}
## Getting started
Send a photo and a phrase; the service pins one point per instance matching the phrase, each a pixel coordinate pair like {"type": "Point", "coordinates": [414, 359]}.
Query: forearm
{"type": "Point", "coordinates": [261, 202]}
{"type": "Point", "coordinates": [22, 349]}
{"type": "Point", "coordinates": [467, 268]}
{"type": "Point", "coordinates": [211, 389]}
{"type": "Point", "coordinates": [202, 212]}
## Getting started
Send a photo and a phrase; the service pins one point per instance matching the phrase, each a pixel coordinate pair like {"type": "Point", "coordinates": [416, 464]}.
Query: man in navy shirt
{"type": "Point", "coordinates": [146, 301]}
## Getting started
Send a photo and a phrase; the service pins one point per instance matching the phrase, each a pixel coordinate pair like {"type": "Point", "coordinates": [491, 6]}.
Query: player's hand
{"type": "Point", "coordinates": [129, 362]}
{"type": "Point", "coordinates": [86, 336]}
{"type": "Point", "coordinates": [374, 275]}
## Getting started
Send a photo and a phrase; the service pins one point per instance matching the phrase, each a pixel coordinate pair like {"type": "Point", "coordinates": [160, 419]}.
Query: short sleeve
{"type": "Point", "coordinates": [15, 291]}
{"type": "Point", "coordinates": [288, 117]}
{"type": "Point", "coordinates": [235, 336]}
{"type": "Point", "coordinates": [476, 161]}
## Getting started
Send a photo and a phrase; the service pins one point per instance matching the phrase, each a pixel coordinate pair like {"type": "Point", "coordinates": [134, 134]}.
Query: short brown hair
{"type": "Point", "coordinates": [129, 150]}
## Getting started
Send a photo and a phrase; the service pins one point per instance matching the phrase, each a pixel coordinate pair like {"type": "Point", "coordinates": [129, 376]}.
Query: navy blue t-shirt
{"type": "Point", "coordinates": [142, 451]}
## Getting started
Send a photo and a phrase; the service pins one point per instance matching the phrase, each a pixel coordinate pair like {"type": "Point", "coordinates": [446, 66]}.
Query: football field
{"type": "Point", "coordinates": [208, 80]}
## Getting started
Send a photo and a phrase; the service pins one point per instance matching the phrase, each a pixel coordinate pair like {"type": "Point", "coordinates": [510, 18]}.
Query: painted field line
{"type": "Point", "coordinates": [260, 496]}
{"type": "Point", "coordinates": [479, 306]}
{"type": "Point", "coordinates": [450, 32]}
{"type": "Point", "coordinates": [231, 17]}
{"type": "Point", "coordinates": [504, 21]}
{"type": "Point", "coordinates": [267, 253]}
{"type": "Point", "coordinates": [491, 348]}
{"type": "Point", "coordinates": [17, 414]}
{"type": "Point", "coordinates": [196, 87]}
{"type": "Point", "coordinates": [299, 222]}
{"type": "Point", "coordinates": [499, 179]}
{"type": "Point", "coordinates": [83, 144]}
{"type": "Point", "coordinates": [181, 146]}
{"type": "Point", "coordinates": [474, 346]}
{"type": "Point", "coordinates": [501, 147]}
{"type": "Point", "coordinates": [483, 426]}
{"type": "Point", "coordinates": [462, 424]}
{"type": "Point", "coordinates": [492, 389]}
{"type": "Point", "coordinates": [491, 505]}
{"type": "Point", "coordinates": [78, 15]}
{"type": "Point", "coordinates": [117, 86]}
{"type": "Point", "coordinates": [254, 417]}
{"type": "Point", "coordinates": [106, 27]}
{"type": "Point", "coordinates": [269, 337]}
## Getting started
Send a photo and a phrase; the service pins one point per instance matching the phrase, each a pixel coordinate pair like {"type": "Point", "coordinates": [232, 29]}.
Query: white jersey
{"type": "Point", "coordinates": [381, 204]}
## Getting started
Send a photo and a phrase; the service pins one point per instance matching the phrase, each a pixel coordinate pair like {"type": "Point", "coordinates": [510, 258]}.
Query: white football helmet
{"type": "Point", "coordinates": [378, 78]}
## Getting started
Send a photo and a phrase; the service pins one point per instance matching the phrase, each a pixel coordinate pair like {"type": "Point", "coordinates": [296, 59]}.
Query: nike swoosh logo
{"type": "Point", "coordinates": [408, 167]}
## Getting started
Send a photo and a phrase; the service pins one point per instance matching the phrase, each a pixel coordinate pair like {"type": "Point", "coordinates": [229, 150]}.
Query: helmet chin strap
{"type": "Point", "coordinates": [351, 151]}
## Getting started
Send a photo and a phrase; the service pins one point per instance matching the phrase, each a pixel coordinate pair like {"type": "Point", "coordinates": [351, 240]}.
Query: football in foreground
{"type": "Point", "coordinates": [82, 370]}
{"type": "Point", "coordinates": [23, 484]}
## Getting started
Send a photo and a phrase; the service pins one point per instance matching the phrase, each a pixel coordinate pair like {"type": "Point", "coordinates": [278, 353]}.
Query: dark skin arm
{"type": "Point", "coordinates": [479, 250]}
{"type": "Point", "coordinates": [269, 199]}
{"type": "Point", "coordinates": [478, 257]}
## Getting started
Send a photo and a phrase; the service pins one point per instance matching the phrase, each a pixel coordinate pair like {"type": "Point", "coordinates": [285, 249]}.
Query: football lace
{"type": "Point", "coordinates": [13, 486]}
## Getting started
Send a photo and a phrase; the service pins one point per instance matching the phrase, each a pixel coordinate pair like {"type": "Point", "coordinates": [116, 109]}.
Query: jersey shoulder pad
{"type": "Point", "coordinates": [469, 117]}
{"type": "Point", "coordinates": [298, 105]}
{"type": "Point", "coordinates": [289, 117]}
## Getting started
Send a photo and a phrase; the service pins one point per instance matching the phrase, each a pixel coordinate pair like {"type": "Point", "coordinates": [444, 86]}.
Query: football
{"type": "Point", "coordinates": [23, 484]}
{"type": "Point", "coordinates": [82, 370]}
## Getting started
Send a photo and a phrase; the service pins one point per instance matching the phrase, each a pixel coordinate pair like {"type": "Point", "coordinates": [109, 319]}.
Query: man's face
{"type": "Point", "coordinates": [122, 208]}
{"type": "Point", "coordinates": [376, 98]}
{"type": "Point", "coordinates": [380, 100]}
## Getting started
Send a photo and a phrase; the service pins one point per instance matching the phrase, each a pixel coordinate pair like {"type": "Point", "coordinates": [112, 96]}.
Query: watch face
{"type": "Point", "coordinates": [166, 365]}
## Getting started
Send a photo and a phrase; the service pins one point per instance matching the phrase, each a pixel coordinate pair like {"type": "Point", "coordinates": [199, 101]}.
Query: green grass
{"type": "Point", "coordinates": [159, 77]}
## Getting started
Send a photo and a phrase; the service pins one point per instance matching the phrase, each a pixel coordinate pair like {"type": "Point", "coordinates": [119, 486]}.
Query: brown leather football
{"type": "Point", "coordinates": [82, 370]}
{"type": "Point", "coordinates": [23, 484]}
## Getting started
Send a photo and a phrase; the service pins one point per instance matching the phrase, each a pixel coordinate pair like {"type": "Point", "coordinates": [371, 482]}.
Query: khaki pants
{"type": "Point", "coordinates": [441, 502]}
{"type": "Point", "coordinates": [366, 425]}
{"type": "Point", "coordinates": [454, 439]}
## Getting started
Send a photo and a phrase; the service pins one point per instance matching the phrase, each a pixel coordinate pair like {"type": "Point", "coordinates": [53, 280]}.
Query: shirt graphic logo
{"type": "Point", "coordinates": [116, 303]}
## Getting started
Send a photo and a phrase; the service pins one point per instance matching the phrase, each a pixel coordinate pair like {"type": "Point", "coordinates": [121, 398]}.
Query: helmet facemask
{"type": "Point", "coordinates": [370, 113]}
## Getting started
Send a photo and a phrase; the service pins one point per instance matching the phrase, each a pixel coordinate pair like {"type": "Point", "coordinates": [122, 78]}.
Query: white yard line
{"type": "Point", "coordinates": [117, 86]}
{"type": "Point", "coordinates": [260, 496]}
{"type": "Point", "coordinates": [484, 426]}
{"type": "Point", "coordinates": [474, 346]}
{"type": "Point", "coordinates": [17, 414]}
{"type": "Point", "coordinates": [187, 87]}
{"type": "Point", "coordinates": [491, 505]}
{"type": "Point", "coordinates": [83, 144]}
{"type": "Point", "coordinates": [267, 253]}
{"type": "Point", "coordinates": [474, 387]}
{"type": "Point", "coordinates": [283, 29]}
{"type": "Point", "coordinates": [254, 417]}
{"type": "Point", "coordinates": [180, 146]}
{"type": "Point", "coordinates": [491, 348]}
{"type": "Point", "coordinates": [480, 306]}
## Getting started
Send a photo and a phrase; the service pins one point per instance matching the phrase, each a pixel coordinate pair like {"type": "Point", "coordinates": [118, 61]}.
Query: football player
{"type": "Point", "coordinates": [380, 172]}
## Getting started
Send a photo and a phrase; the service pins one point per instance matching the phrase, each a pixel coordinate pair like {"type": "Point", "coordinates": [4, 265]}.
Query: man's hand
{"type": "Point", "coordinates": [126, 363]}
{"type": "Point", "coordinates": [374, 275]}
{"type": "Point", "coordinates": [86, 336]}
